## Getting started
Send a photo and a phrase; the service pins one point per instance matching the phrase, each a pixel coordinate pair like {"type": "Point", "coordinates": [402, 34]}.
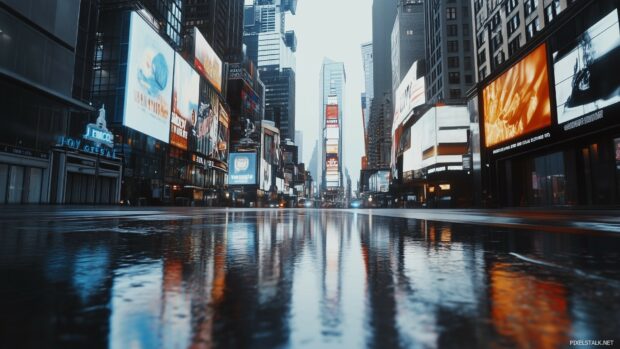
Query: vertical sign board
{"type": "Point", "coordinates": [206, 61]}
{"type": "Point", "coordinates": [148, 91]}
{"type": "Point", "coordinates": [184, 103]}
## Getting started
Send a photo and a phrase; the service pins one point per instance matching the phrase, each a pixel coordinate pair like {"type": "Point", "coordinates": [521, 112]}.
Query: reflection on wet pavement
{"type": "Point", "coordinates": [308, 279]}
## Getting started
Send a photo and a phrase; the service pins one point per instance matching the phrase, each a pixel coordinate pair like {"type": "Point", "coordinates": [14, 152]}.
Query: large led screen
{"type": "Point", "coordinates": [148, 91]}
{"type": "Point", "coordinates": [331, 115]}
{"type": "Point", "coordinates": [184, 103]}
{"type": "Point", "coordinates": [206, 125]}
{"type": "Point", "coordinates": [206, 60]}
{"type": "Point", "coordinates": [517, 102]}
{"type": "Point", "coordinates": [242, 169]}
{"type": "Point", "coordinates": [222, 135]}
{"type": "Point", "coordinates": [583, 80]}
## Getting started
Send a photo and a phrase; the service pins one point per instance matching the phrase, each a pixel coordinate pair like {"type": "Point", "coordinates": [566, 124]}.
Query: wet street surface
{"type": "Point", "coordinates": [197, 278]}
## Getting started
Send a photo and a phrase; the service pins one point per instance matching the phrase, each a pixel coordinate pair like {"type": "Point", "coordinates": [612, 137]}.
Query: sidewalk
{"type": "Point", "coordinates": [558, 220]}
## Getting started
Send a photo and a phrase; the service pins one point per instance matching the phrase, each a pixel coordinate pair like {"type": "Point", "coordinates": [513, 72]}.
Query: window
{"type": "Point", "coordinates": [482, 57]}
{"type": "Point", "coordinates": [452, 30]}
{"type": "Point", "coordinates": [451, 13]}
{"type": "Point", "coordinates": [514, 45]}
{"type": "Point", "coordinates": [453, 46]}
{"type": "Point", "coordinates": [511, 5]}
{"type": "Point", "coordinates": [481, 38]}
{"type": "Point", "coordinates": [454, 77]}
{"type": "Point", "coordinates": [455, 93]}
{"type": "Point", "coordinates": [552, 11]}
{"type": "Point", "coordinates": [532, 28]}
{"type": "Point", "coordinates": [499, 58]}
{"type": "Point", "coordinates": [466, 45]}
{"type": "Point", "coordinates": [496, 42]}
{"type": "Point", "coordinates": [465, 29]}
{"type": "Point", "coordinates": [530, 6]}
{"type": "Point", "coordinates": [467, 62]}
{"type": "Point", "coordinates": [482, 73]}
{"type": "Point", "coordinates": [469, 79]}
{"type": "Point", "coordinates": [513, 24]}
{"type": "Point", "coordinates": [453, 62]}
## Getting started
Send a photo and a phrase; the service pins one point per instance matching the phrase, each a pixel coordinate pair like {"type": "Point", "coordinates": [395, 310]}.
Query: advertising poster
{"type": "Point", "coordinates": [222, 135]}
{"type": "Point", "coordinates": [206, 61]}
{"type": "Point", "coordinates": [331, 115]}
{"type": "Point", "coordinates": [331, 146]}
{"type": "Point", "coordinates": [265, 175]}
{"type": "Point", "coordinates": [184, 103]}
{"type": "Point", "coordinates": [331, 162]}
{"type": "Point", "coordinates": [242, 169]}
{"type": "Point", "coordinates": [148, 92]}
{"type": "Point", "coordinates": [582, 81]}
{"type": "Point", "coordinates": [208, 119]}
{"type": "Point", "coordinates": [517, 102]}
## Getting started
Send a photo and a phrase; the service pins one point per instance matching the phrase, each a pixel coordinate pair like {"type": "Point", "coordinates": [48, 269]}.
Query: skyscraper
{"type": "Point", "coordinates": [368, 94]}
{"type": "Point", "coordinates": [407, 39]}
{"type": "Point", "coordinates": [449, 55]}
{"type": "Point", "coordinates": [272, 48]}
{"type": "Point", "coordinates": [332, 89]}
{"type": "Point", "coordinates": [380, 120]}
{"type": "Point", "coordinates": [299, 141]}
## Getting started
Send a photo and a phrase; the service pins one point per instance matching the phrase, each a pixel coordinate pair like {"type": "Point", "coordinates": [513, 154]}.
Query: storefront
{"type": "Point", "coordinates": [24, 176]}
{"type": "Point", "coordinates": [550, 134]}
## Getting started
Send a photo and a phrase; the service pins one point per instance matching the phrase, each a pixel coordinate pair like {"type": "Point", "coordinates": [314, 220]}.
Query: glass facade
{"type": "Point", "coordinates": [20, 184]}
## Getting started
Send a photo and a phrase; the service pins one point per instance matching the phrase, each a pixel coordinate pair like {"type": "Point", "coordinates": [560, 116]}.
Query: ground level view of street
{"type": "Point", "coordinates": [189, 277]}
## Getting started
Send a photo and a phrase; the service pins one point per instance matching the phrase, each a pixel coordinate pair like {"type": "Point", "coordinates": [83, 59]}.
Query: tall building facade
{"type": "Point", "coordinates": [501, 29]}
{"type": "Point", "coordinates": [368, 94]}
{"type": "Point", "coordinates": [272, 48]}
{"type": "Point", "coordinates": [547, 117]}
{"type": "Point", "coordinates": [407, 39]}
{"type": "Point", "coordinates": [380, 120]}
{"type": "Point", "coordinates": [450, 53]}
{"type": "Point", "coordinates": [45, 92]}
{"type": "Point", "coordinates": [221, 22]}
{"type": "Point", "coordinates": [332, 95]}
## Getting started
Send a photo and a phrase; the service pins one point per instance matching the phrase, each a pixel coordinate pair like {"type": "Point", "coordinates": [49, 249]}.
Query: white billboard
{"type": "Point", "coordinates": [409, 94]}
{"type": "Point", "coordinates": [439, 136]}
{"type": "Point", "coordinates": [148, 90]}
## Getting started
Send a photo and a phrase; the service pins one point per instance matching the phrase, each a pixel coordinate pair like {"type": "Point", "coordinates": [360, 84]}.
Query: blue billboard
{"type": "Point", "coordinates": [242, 169]}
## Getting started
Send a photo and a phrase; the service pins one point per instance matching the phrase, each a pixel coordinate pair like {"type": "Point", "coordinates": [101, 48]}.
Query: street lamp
{"type": "Point", "coordinates": [370, 199]}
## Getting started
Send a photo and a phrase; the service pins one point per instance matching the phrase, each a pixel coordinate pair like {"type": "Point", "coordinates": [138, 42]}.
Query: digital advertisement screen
{"type": "Point", "coordinates": [242, 169]}
{"type": "Point", "coordinates": [206, 61]}
{"type": "Point", "coordinates": [331, 147]}
{"type": "Point", "coordinates": [222, 135]}
{"type": "Point", "coordinates": [331, 162]}
{"type": "Point", "coordinates": [265, 175]}
{"type": "Point", "coordinates": [331, 115]}
{"type": "Point", "coordinates": [517, 102]}
{"type": "Point", "coordinates": [208, 119]}
{"type": "Point", "coordinates": [148, 92]}
{"type": "Point", "coordinates": [583, 83]}
{"type": "Point", "coordinates": [184, 103]}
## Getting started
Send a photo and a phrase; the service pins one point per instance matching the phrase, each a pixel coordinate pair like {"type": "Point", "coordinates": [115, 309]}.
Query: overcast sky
{"type": "Point", "coordinates": [334, 29]}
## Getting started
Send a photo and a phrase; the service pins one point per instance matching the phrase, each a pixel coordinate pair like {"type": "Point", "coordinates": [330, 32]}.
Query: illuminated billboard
{"type": "Point", "coordinates": [331, 162]}
{"type": "Point", "coordinates": [380, 182]}
{"type": "Point", "coordinates": [208, 119]}
{"type": "Point", "coordinates": [409, 94]}
{"type": "Point", "coordinates": [184, 103]}
{"type": "Point", "coordinates": [148, 91]}
{"type": "Point", "coordinates": [242, 169]}
{"type": "Point", "coordinates": [517, 102]}
{"type": "Point", "coordinates": [583, 83]}
{"type": "Point", "coordinates": [206, 61]}
{"type": "Point", "coordinates": [331, 116]}
{"type": "Point", "coordinates": [331, 146]}
{"type": "Point", "coordinates": [222, 135]}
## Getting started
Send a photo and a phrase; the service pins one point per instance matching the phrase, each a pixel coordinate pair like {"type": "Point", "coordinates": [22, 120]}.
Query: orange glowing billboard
{"type": "Point", "coordinates": [518, 101]}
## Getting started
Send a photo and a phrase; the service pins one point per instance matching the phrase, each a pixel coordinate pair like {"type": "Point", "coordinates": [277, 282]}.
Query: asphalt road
{"type": "Point", "coordinates": [202, 278]}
